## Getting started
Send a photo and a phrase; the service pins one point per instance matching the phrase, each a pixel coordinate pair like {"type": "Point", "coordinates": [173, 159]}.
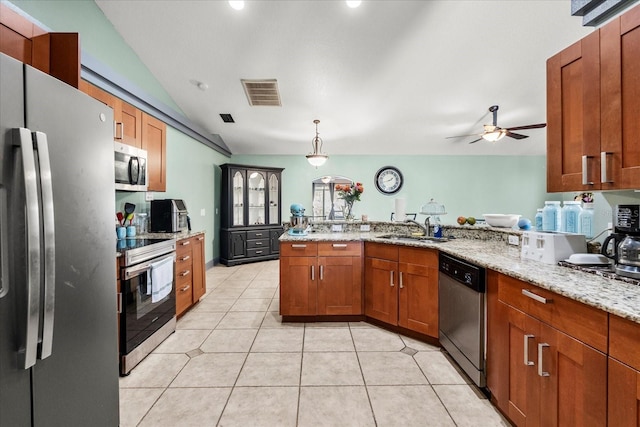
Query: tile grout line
{"type": "Point", "coordinates": [364, 381]}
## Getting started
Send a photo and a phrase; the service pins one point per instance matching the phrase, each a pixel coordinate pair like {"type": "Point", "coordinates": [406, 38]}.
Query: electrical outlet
{"type": "Point", "coordinates": [336, 227]}
{"type": "Point", "coordinates": [202, 212]}
{"type": "Point", "coordinates": [514, 240]}
{"type": "Point", "coordinates": [148, 196]}
{"type": "Point", "coordinates": [365, 227]}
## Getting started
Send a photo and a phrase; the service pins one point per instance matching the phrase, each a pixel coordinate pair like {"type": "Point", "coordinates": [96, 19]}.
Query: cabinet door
{"type": "Point", "coordinates": [237, 245]}
{"type": "Point", "coordinates": [154, 140]}
{"type": "Point", "coordinates": [199, 273]}
{"type": "Point", "coordinates": [573, 381]}
{"type": "Point", "coordinates": [274, 236]}
{"type": "Point", "coordinates": [274, 198]}
{"type": "Point", "coordinates": [624, 395]}
{"type": "Point", "coordinates": [238, 191]}
{"type": "Point", "coordinates": [340, 285]}
{"type": "Point", "coordinates": [381, 295]}
{"type": "Point", "coordinates": [256, 197]}
{"type": "Point", "coordinates": [418, 298]}
{"type": "Point", "coordinates": [573, 117]}
{"type": "Point", "coordinates": [620, 68]}
{"type": "Point", "coordinates": [298, 286]}
{"type": "Point", "coordinates": [130, 119]}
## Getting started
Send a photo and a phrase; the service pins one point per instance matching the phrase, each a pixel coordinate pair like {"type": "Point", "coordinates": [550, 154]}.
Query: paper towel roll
{"type": "Point", "coordinates": [400, 213]}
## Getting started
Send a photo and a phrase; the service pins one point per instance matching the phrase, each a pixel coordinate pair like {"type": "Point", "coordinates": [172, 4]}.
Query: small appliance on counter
{"type": "Point", "coordinates": [299, 222]}
{"type": "Point", "coordinates": [626, 241]}
{"type": "Point", "coordinates": [168, 216]}
{"type": "Point", "coordinates": [551, 247]}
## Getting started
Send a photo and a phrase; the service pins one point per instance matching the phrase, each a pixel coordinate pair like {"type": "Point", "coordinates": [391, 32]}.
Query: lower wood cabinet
{"type": "Point", "coordinates": [189, 272]}
{"type": "Point", "coordinates": [401, 286]}
{"type": "Point", "coordinates": [321, 278]}
{"type": "Point", "coordinates": [624, 372]}
{"type": "Point", "coordinates": [538, 374]}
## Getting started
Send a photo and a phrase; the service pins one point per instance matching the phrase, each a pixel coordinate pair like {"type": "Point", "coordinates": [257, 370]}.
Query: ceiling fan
{"type": "Point", "coordinates": [494, 133]}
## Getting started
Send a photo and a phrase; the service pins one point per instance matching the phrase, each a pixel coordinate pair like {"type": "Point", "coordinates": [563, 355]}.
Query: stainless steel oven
{"type": "Point", "coordinates": [147, 310]}
{"type": "Point", "coordinates": [462, 308]}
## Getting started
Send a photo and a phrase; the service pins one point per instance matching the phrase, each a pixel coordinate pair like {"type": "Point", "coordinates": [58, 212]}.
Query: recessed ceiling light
{"type": "Point", "coordinates": [353, 3]}
{"type": "Point", "coordinates": [237, 5]}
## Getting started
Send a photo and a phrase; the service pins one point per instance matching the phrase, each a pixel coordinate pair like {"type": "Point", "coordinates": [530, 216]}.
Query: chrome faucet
{"type": "Point", "coordinates": [425, 228]}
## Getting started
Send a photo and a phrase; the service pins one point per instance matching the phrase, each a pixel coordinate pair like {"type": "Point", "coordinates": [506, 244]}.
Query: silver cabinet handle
{"type": "Point", "coordinates": [313, 273]}
{"type": "Point", "coordinates": [185, 243]}
{"type": "Point", "coordinates": [540, 361]}
{"type": "Point", "coordinates": [391, 278]}
{"type": "Point", "coordinates": [585, 171]}
{"type": "Point", "coordinates": [184, 258]}
{"type": "Point", "coordinates": [322, 272]}
{"type": "Point", "coordinates": [298, 246]}
{"type": "Point", "coordinates": [401, 283]}
{"type": "Point", "coordinates": [185, 288]}
{"type": "Point", "coordinates": [200, 238]}
{"type": "Point", "coordinates": [185, 273]}
{"type": "Point", "coordinates": [49, 239]}
{"type": "Point", "coordinates": [27, 357]}
{"type": "Point", "coordinates": [339, 245]}
{"type": "Point", "coordinates": [603, 167]}
{"type": "Point", "coordinates": [258, 234]}
{"type": "Point", "coordinates": [258, 243]}
{"type": "Point", "coordinates": [536, 297]}
{"type": "Point", "coordinates": [259, 252]}
{"type": "Point", "coordinates": [527, 362]}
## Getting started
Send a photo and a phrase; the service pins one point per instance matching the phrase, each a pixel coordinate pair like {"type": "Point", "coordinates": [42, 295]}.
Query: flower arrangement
{"type": "Point", "coordinates": [350, 193]}
{"type": "Point", "coordinates": [584, 198]}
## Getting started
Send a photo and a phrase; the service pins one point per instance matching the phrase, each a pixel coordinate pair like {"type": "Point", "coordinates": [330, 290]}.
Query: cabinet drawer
{"type": "Point", "coordinates": [259, 243]}
{"type": "Point", "coordinates": [183, 246]}
{"type": "Point", "coordinates": [380, 250]}
{"type": "Point", "coordinates": [624, 339]}
{"type": "Point", "coordinates": [339, 249]}
{"type": "Point", "coordinates": [183, 296]}
{"type": "Point", "coordinates": [257, 234]}
{"type": "Point", "coordinates": [183, 262]}
{"type": "Point", "coordinates": [578, 320]}
{"type": "Point", "coordinates": [258, 252]}
{"type": "Point", "coordinates": [298, 249]}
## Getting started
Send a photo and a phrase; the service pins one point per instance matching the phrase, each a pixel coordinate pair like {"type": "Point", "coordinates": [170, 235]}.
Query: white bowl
{"type": "Point", "coordinates": [501, 220]}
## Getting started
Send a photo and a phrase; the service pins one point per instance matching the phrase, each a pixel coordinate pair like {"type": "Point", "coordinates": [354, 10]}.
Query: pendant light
{"type": "Point", "coordinates": [317, 158]}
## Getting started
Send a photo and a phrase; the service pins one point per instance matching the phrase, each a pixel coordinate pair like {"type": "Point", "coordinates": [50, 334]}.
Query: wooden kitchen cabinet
{"type": "Point", "coordinates": [538, 374]}
{"type": "Point", "coordinates": [624, 372]}
{"type": "Point", "coordinates": [593, 99]}
{"type": "Point", "coordinates": [189, 272]}
{"type": "Point", "coordinates": [127, 119]}
{"type": "Point", "coordinates": [154, 141]}
{"type": "Point", "coordinates": [321, 279]}
{"type": "Point", "coordinates": [401, 287]}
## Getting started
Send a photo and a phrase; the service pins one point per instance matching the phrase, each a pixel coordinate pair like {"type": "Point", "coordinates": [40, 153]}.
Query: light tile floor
{"type": "Point", "coordinates": [232, 362]}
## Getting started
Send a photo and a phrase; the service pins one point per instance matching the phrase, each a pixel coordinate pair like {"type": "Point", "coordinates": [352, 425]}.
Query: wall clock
{"type": "Point", "coordinates": [388, 180]}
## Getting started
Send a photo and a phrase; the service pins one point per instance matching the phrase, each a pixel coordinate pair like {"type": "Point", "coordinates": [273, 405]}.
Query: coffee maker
{"type": "Point", "coordinates": [626, 241]}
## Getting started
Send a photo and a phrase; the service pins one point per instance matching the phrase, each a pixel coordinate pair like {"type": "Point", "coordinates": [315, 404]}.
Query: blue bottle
{"type": "Point", "coordinates": [538, 220]}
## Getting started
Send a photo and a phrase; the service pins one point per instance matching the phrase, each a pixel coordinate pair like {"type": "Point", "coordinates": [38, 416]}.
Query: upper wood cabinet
{"type": "Point", "coordinates": [593, 105]}
{"type": "Point", "coordinates": [154, 140]}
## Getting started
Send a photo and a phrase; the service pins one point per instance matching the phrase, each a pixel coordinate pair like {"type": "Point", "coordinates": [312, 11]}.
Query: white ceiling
{"type": "Point", "coordinates": [390, 77]}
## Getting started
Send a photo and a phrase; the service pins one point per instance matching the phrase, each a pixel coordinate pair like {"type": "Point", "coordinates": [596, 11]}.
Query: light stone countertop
{"type": "Point", "coordinates": [613, 296]}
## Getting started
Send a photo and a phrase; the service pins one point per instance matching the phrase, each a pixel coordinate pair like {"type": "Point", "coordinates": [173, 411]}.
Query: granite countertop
{"type": "Point", "coordinates": [611, 295]}
{"type": "Point", "coordinates": [177, 236]}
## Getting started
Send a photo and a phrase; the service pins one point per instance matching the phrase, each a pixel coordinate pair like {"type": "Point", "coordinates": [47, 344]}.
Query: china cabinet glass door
{"type": "Point", "coordinates": [256, 197]}
{"type": "Point", "coordinates": [238, 198]}
{"type": "Point", "coordinates": [274, 190]}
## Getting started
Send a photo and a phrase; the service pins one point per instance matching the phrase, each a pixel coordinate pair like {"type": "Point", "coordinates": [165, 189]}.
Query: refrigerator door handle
{"type": "Point", "coordinates": [42, 147]}
{"type": "Point", "coordinates": [4, 239]}
{"type": "Point", "coordinates": [27, 355]}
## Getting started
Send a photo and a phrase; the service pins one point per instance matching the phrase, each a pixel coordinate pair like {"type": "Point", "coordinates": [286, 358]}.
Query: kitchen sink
{"type": "Point", "coordinates": [412, 238]}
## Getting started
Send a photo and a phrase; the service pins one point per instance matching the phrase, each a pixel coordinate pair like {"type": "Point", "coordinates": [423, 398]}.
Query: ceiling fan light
{"type": "Point", "coordinates": [316, 158]}
{"type": "Point", "coordinates": [494, 136]}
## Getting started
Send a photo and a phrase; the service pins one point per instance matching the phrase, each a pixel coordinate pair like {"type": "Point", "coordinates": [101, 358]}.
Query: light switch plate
{"type": "Point", "coordinates": [514, 240]}
{"type": "Point", "coordinates": [336, 227]}
{"type": "Point", "coordinates": [365, 227]}
{"type": "Point", "coordinates": [202, 212]}
{"type": "Point", "coordinates": [148, 196]}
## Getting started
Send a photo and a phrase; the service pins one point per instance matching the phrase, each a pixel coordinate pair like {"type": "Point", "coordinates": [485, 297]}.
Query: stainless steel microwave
{"type": "Point", "coordinates": [130, 168]}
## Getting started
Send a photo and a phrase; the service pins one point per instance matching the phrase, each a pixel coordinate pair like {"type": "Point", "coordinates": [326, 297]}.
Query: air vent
{"type": "Point", "coordinates": [226, 117]}
{"type": "Point", "coordinates": [262, 92]}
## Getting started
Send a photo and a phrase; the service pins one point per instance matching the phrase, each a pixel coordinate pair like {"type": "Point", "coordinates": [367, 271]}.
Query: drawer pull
{"type": "Point", "coordinates": [585, 171]}
{"type": "Point", "coordinates": [313, 273]}
{"type": "Point", "coordinates": [258, 234]}
{"type": "Point", "coordinates": [391, 278]}
{"type": "Point", "coordinates": [200, 238]}
{"type": "Point", "coordinates": [540, 371]}
{"type": "Point", "coordinates": [298, 246]}
{"type": "Point", "coordinates": [535, 297]}
{"type": "Point", "coordinates": [185, 243]}
{"type": "Point", "coordinates": [339, 245]}
{"type": "Point", "coordinates": [321, 272]}
{"type": "Point", "coordinates": [527, 362]}
{"type": "Point", "coordinates": [184, 258]}
{"type": "Point", "coordinates": [258, 243]}
{"type": "Point", "coordinates": [259, 252]}
{"type": "Point", "coordinates": [185, 273]}
{"type": "Point", "coordinates": [185, 288]}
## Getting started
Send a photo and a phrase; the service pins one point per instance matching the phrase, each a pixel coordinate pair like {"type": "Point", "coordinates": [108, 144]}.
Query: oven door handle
{"type": "Point", "coordinates": [137, 269]}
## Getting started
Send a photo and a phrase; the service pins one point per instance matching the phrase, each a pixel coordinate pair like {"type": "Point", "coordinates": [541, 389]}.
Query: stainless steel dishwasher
{"type": "Point", "coordinates": [461, 290]}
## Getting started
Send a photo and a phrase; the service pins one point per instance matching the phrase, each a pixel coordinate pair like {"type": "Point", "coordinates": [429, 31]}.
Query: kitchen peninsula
{"type": "Point", "coordinates": [579, 334]}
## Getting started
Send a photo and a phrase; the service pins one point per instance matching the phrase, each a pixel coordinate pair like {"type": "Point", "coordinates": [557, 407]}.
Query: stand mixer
{"type": "Point", "coordinates": [299, 222]}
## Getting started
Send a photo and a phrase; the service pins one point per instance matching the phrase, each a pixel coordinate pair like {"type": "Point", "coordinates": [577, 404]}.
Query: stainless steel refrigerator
{"type": "Point", "coordinates": [58, 322]}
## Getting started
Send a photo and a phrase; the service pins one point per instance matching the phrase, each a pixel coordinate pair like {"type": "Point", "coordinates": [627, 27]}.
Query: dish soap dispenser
{"type": "Point", "coordinates": [437, 227]}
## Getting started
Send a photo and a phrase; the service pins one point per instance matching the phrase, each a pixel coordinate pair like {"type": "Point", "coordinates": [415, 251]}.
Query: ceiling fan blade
{"type": "Point", "coordinates": [475, 140]}
{"type": "Point", "coordinates": [517, 135]}
{"type": "Point", "coordinates": [462, 136]}
{"type": "Point", "coordinates": [540, 125]}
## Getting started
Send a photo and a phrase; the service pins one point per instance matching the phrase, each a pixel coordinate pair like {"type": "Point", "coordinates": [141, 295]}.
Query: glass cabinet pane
{"type": "Point", "coordinates": [257, 193]}
{"type": "Point", "coordinates": [274, 209]}
{"type": "Point", "coordinates": [238, 196]}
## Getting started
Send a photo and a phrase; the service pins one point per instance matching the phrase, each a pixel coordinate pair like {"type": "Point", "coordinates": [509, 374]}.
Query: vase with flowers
{"type": "Point", "coordinates": [350, 193]}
